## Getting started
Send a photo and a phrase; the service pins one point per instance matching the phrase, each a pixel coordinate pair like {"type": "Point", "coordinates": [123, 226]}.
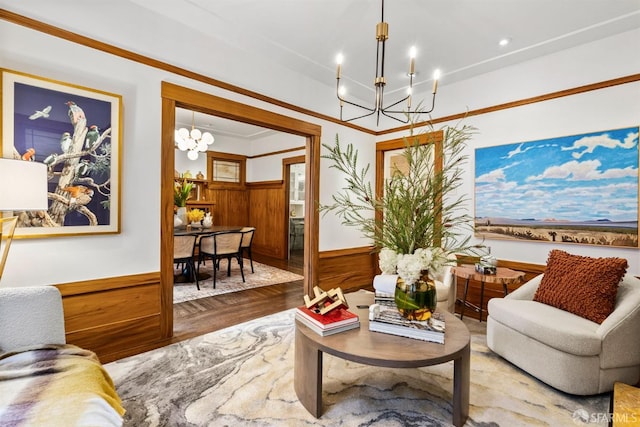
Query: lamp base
{"type": "Point", "coordinates": [7, 227]}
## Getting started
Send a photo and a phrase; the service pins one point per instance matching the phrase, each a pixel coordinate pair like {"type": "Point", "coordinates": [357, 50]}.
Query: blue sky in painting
{"type": "Point", "coordinates": [592, 176]}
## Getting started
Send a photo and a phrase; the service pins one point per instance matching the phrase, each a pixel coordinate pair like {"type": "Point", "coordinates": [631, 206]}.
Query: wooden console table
{"type": "Point", "coordinates": [503, 276]}
{"type": "Point", "coordinates": [379, 349]}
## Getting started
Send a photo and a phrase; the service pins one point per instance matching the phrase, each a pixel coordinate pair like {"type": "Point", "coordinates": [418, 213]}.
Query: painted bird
{"type": "Point", "coordinates": [83, 167]}
{"type": "Point", "coordinates": [80, 195]}
{"type": "Point", "coordinates": [50, 159]}
{"type": "Point", "coordinates": [66, 142]}
{"type": "Point", "coordinates": [92, 136]}
{"type": "Point", "coordinates": [29, 155]}
{"type": "Point", "coordinates": [75, 112]}
{"type": "Point", "coordinates": [41, 113]}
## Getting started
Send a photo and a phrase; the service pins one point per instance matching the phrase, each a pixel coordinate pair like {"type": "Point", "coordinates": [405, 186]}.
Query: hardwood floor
{"type": "Point", "coordinates": [197, 317]}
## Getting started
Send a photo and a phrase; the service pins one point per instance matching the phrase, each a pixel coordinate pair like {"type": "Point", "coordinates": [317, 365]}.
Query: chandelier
{"type": "Point", "coordinates": [193, 141]}
{"type": "Point", "coordinates": [382, 34]}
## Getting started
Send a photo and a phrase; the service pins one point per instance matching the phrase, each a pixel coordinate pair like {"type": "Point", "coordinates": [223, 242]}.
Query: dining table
{"type": "Point", "coordinates": [200, 231]}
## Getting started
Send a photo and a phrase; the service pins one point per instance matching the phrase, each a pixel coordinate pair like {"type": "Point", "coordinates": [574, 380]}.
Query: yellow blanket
{"type": "Point", "coordinates": [57, 385]}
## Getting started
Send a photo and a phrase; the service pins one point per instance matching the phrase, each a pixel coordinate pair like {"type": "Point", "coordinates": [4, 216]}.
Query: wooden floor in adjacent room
{"type": "Point", "coordinates": [198, 317]}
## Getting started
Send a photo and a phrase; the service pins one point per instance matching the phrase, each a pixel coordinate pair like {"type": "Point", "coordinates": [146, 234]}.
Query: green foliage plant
{"type": "Point", "coordinates": [419, 208]}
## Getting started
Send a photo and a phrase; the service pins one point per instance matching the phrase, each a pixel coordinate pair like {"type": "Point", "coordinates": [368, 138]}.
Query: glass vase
{"type": "Point", "coordinates": [418, 300]}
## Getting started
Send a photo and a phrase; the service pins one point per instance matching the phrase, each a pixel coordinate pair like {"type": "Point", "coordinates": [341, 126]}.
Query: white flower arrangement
{"type": "Point", "coordinates": [388, 261]}
{"type": "Point", "coordinates": [410, 266]}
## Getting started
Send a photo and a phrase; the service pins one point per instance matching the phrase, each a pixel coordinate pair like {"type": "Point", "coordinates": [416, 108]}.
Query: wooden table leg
{"type": "Point", "coordinates": [464, 298]}
{"type": "Point", "coordinates": [481, 298]}
{"type": "Point", "coordinates": [307, 374]}
{"type": "Point", "coordinates": [461, 385]}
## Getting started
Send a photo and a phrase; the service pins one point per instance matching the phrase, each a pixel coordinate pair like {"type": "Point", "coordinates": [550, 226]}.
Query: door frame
{"type": "Point", "coordinates": [286, 171]}
{"type": "Point", "coordinates": [178, 96]}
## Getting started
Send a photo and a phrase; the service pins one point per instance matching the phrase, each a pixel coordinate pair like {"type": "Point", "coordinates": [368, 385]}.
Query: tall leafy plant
{"type": "Point", "coordinates": [419, 207]}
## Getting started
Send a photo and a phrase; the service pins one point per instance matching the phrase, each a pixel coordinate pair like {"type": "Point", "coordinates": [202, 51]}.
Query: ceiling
{"type": "Point", "coordinates": [279, 39]}
{"type": "Point", "coordinates": [460, 37]}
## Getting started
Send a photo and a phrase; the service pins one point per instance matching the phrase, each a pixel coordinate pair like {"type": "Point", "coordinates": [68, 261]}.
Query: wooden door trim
{"type": "Point", "coordinates": [177, 96]}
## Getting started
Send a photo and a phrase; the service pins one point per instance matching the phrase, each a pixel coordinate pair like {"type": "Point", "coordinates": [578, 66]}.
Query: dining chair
{"type": "Point", "coordinates": [247, 239]}
{"type": "Point", "coordinates": [222, 245]}
{"type": "Point", "coordinates": [183, 252]}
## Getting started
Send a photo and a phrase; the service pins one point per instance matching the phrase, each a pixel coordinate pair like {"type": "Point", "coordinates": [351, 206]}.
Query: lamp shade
{"type": "Point", "coordinates": [23, 185]}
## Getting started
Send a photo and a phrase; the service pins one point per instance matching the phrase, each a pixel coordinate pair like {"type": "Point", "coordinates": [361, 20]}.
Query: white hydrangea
{"type": "Point", "coordinates": [425, 257]}
{"type": "Point", "coordinates": [409, 267]}
{"type": "Point", "coordinates": [387, 261]}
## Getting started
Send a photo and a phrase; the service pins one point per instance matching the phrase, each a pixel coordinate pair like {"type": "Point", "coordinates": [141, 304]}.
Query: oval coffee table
{"type": "Point", "coordinates": [379, 349]}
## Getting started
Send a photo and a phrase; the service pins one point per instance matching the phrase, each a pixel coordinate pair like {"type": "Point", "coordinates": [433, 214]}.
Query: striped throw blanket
{"type": "Point", "coordinates": [57, 385]}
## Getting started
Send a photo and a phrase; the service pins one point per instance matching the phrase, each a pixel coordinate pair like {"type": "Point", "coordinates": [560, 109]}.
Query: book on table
{"type": "Point", "coordinates": [326, 331]}
{"type": "Point", "coordinates": [387, 319]}
{"type": "Point", "coordinates": [383, 298]}
{"type": "Point", "coordinates": [335, 321]}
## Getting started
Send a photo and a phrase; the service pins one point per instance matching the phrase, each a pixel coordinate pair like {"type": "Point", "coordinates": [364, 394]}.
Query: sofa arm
{"type": "Point", "coordinates": [620, 330]}
{"type": "Point", "coordinates": [528, 290]}
{"type": "Point", "coordinates": [30, 316]}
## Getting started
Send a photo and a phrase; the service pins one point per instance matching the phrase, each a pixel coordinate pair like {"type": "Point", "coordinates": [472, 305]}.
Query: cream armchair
{"type": "Point", "coordinates": [566, 351]}
{"type": "Point", "coordinates": [446, 287]}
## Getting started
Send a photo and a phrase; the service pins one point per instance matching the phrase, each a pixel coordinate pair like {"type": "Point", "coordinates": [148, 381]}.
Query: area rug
{"type": "Point", "coordinates": [243, 375]}
{"type": "Point", "coordinates": [264, 275]}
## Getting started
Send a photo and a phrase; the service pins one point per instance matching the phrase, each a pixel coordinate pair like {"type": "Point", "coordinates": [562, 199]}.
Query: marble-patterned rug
{"type": "Point", "coordinates": [243, 376]}
{"type": "Point", "coordinates": [263, 275]}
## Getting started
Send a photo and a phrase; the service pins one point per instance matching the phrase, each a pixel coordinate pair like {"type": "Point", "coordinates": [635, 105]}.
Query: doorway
{"type": "Point", "coordinates": [296, 192]}
{"type": "Point", "coordinates": [177, 96]}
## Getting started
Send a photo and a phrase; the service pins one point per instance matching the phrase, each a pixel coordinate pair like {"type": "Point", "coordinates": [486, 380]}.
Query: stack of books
{"type": "Point", "coordinates": [338, 320]}
{"type": "Point", "coordinates": [383, 298]}
{"type": "Point", "coordinates": [386, 318]}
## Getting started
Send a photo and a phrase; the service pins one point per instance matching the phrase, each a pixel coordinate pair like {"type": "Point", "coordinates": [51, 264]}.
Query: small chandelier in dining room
{"type": "Point", "coordinates": [194, 141]}
{"type": "Point", "coordinates": [378, 108]}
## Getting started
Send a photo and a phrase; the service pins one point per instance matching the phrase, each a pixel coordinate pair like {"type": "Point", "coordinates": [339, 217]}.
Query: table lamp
{"type": "Point", "coordinates": [23, 187]}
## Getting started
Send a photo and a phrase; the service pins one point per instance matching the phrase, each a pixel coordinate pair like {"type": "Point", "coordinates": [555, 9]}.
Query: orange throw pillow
{"type": "Point", "coordinates": [581, 285]}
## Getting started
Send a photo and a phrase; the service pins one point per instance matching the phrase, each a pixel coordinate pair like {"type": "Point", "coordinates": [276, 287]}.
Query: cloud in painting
{"type": "Point", "coordinates": [589, 143]}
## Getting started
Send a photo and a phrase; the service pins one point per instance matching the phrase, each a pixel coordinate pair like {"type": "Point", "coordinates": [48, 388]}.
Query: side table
{"type": "Point", "coordinates": [504, 276]}
{"type": "Point", "coordinates": [624, 405]}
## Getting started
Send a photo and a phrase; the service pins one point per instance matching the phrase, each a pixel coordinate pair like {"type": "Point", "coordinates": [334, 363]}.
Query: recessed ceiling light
{"type": "Point", "coordinates": [505, 41]}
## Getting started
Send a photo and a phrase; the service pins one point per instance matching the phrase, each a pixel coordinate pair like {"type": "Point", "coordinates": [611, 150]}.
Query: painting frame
{"type": "Point", "coordinates": [77, 132]}
{"type": "Point", "coordinates": [576, 189]}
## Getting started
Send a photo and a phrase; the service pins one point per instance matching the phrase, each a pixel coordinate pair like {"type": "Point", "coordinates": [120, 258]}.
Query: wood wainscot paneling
{"type": "Point", "coordinates": [267, 207]}
{"type": "Point", "coordinates": [349, 269]}
{"type": "Point", "coordinates": [231, 205]}
{"type": "Point", "coordinates": [114, 317]}
{"type": "Point", "coordinates": [491, 290]}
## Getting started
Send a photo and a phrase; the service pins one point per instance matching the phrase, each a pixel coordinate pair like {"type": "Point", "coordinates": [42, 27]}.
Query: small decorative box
{"type": "Point", "coordinates": [485, 269]}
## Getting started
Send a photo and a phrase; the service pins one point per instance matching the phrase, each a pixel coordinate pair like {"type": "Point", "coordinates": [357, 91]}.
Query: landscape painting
{"type": "Point", "coordinates": [573, 189]}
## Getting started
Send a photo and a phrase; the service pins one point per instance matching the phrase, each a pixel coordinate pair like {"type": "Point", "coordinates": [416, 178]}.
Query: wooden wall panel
{"type": "Point", "coordinates": [231, 206]}
{"type": "Point", "coordinates": [349, 269]}
{"type": "Point", "coordinates": [267, 213]}
{"type": "Point", "coordinates": [114, 317]}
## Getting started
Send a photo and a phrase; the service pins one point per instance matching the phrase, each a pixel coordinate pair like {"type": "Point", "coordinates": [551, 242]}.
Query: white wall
{"type": "Point", "coordinates": [137, 248]}
{"type": "Point", "coordinates": [610, 108]}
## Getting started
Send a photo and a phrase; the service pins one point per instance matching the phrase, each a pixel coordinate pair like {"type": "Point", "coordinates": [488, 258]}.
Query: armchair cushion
{"type": "Point", "coordinates": [581, 285]}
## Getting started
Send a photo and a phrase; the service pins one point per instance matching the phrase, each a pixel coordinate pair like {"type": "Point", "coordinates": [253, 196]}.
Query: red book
{"type": "Point", "coordinates": [333, 319]}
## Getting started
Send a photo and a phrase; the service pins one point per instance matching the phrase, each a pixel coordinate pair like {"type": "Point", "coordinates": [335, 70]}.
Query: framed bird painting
{"type": "Point", "coordinates": [77, 133]}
